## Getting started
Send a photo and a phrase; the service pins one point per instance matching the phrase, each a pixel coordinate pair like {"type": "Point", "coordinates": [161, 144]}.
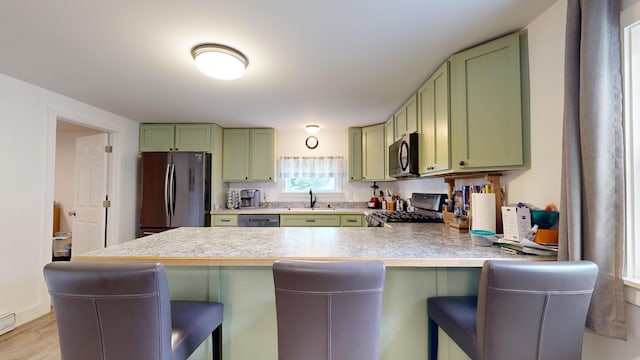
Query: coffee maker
{"type": "Point", "coordinates": [249, 198]}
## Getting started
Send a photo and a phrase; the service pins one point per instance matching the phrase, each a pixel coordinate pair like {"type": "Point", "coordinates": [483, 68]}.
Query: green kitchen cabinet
{"type": "Point", "coordinates": [434, 118]}
{"type": "Point", "coordinates": [175, 137]}
{"type": "Point", "coordinates": [373, 153]}
{"type": "Point", "coordinates": [489, 106]}
{"type": "Point", "coordinates": [248, 155]}
{"type": "Point", "coordinates": [406, 118]}
{"type": "Point", "coordinates": [309, 220]}
{"type": "Point", "coordinates": [236, 154]}
{"type": "Point", "coordinates": [352, 220]}
{"type": "Point", "coordinates": [227, 220]}
{"type": "Point", "coordinates": [263, 155]}
{"type": "Point", "coordinates": [390, 138]}
{"type": "Point", "coordinates": [355, 154]}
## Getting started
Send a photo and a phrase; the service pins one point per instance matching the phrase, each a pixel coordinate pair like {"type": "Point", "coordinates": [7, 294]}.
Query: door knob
{"type": "Point", "coordinates": [72, 213]}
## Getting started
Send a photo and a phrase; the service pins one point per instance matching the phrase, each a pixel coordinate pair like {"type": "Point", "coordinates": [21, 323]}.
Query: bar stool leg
{"type": "Point", "coordinates": [433, 340]}
{"type": "Point", "coordinates": [216, 341]}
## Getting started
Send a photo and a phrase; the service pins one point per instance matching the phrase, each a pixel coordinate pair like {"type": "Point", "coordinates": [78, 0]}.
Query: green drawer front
{"type": "Point", "coordinates": [225, 220]}
{"type": "Point", "coordinates": [309, 220]}
{"type": "Point", "coordinates": [351, 220]}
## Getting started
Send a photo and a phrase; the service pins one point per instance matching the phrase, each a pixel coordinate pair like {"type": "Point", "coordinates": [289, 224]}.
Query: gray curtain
{"type": "Point", "coordinates": [592, 196]}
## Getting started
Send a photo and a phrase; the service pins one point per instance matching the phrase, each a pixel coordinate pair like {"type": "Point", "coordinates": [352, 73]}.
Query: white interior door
{"type": "Point", "coordinates": [91, 170]}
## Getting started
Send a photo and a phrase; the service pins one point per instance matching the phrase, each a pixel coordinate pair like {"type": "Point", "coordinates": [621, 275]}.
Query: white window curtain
{"type": "Point", "coordinates": [313, 167]}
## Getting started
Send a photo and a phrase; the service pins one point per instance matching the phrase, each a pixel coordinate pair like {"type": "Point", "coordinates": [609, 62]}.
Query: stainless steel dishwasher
{"type": "Point", "coordinates": [258, 220]}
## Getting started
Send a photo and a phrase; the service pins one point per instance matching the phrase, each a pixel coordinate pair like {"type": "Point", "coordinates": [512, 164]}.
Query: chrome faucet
{"type": "Point", "coordinates": [312, 199]}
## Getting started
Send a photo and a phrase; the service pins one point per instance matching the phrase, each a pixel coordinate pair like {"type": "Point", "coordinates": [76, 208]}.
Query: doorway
{"type": "Point", "coordinates": [81, 187]}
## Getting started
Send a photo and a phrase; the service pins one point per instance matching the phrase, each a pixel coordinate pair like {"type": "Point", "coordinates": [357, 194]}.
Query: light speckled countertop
{"type": "Point", "coordinates": [292, 211]}
{"type": "Point", "coordinates": [403, 245]}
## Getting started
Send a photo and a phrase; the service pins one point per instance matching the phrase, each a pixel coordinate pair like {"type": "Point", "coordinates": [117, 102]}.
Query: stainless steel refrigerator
{"type": "Point", "coordinates": [175, 190]}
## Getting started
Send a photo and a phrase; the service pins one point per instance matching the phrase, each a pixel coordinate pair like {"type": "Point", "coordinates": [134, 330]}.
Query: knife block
{"type": "Point", "coordinates": [459, 223]}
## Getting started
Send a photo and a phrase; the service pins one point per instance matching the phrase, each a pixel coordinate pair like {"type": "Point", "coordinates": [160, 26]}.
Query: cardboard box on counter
{"type": "Point", "coordinates": [516, 222]}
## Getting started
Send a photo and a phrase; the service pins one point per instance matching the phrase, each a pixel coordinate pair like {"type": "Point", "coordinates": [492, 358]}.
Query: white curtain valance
{"type": "Point", "coordinates": [313, 167]}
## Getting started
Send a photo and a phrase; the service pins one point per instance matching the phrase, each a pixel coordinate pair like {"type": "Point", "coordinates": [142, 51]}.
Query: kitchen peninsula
{"type": "Point", "coordinates": [233, 265]}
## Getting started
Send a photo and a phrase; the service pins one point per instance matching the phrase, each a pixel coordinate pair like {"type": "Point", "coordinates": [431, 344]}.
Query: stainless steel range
{"type": "Point", "coordinates": [427, 209]}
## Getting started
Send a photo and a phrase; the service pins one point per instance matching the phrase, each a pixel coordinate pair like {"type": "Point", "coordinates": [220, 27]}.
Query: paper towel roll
{"type": "Point", "coordinates": [483, 212]}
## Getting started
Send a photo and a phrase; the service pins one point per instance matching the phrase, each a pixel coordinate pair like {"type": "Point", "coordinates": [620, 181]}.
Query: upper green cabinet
{"type": "Point", "coordinates": [489, 106]}
{"type": "Point", "coordinates": [175, 137]}
{"type": "Point", "coordinates": [390, 138]}
{"type": "Point", "coordinates": [406, 118]}
{"type": "Point", "coordinates": [262, 155]}
{"type": "Point", "coordinates": [373, 153]}
{"type": "Point", "coordinates": [433, 117]}
{"type": "Point", "coordinates": [248, 155]}
{"type": "Point", "coordinates": [355, 154]}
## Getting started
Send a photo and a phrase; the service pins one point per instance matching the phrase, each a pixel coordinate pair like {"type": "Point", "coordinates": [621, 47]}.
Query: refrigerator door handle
{"type": "Point", "coordinates": [172, 190]}
{"type": "Point", "coordinates": [166, 189]}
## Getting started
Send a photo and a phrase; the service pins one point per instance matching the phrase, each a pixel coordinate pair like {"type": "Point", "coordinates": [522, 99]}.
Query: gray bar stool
{"type": "Point", "coordinates": [122, 311]}
{"type": "Point", "coordinates": [524, 310]}
{"type": "Point", "coordinates": [328, 310]}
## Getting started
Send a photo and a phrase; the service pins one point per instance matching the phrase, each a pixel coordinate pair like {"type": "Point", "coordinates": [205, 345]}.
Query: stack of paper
{"type": "Point", "coordinates": [526, 246]}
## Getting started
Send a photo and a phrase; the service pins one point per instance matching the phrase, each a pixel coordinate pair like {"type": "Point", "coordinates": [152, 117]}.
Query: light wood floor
{"type": "Point", "coordinates": [35, 340]}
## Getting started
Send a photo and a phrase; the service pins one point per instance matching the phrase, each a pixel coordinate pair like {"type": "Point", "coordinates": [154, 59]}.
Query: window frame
{"type": "Point", "coordinates": [338, 194]}
{"type": "Point", "coordinates": [630, 35]}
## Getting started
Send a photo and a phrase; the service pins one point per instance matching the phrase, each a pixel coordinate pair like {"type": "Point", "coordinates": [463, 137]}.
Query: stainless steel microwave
{"type": "Point", "coordinates": [403, 156]}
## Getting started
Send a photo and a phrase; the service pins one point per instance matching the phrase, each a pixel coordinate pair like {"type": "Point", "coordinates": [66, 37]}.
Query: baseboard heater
{"type": "Point", "coordinates": [7, 322]}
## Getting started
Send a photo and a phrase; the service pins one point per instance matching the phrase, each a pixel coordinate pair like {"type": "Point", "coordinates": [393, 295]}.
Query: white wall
{"type": "Point", "coordinates": [329, 144]}
{"type": "Point", "coordinates": [27, 154]}
{"type": "Point", "coordinates": [541, 184]}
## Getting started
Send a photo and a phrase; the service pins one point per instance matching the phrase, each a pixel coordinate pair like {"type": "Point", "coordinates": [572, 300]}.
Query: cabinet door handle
{"type": "Point", "coordinates": [225, 220]}
{"type": "Point", "coordinates": [461, 163]}
{"type": "Point", "coordinates": [310, 220]}
{"type": "Point", "coordinates": [352, 220]}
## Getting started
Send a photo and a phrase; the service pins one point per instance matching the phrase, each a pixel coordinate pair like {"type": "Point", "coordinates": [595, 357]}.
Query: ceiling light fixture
{"type": "Point", "coordinates": [219, 61]}
{"type": "Point", "coordinates": [312, 129]}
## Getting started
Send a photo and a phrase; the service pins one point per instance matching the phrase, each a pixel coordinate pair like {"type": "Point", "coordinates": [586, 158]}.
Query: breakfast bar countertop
{"type": "Point", "coordinates": [295, 211]}
{"type": "Point", "coordinates": [403, 245]}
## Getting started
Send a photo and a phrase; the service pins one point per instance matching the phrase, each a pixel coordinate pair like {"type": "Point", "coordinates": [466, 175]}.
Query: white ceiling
{"type": "Point", "coordinates": [334, 63]}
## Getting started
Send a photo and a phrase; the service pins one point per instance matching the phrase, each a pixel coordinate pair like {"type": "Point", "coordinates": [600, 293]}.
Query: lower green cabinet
{"type": "Point", "coordinates": [309, 220]}
{"type": "Point", "coordinates": [298, 220]}
{"type": "Point", "coordinates": [224, 220]}
{"type": "Point", "coordinates": [329, 220]}
{"type": "Point", "coordinates": [351, 220]}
